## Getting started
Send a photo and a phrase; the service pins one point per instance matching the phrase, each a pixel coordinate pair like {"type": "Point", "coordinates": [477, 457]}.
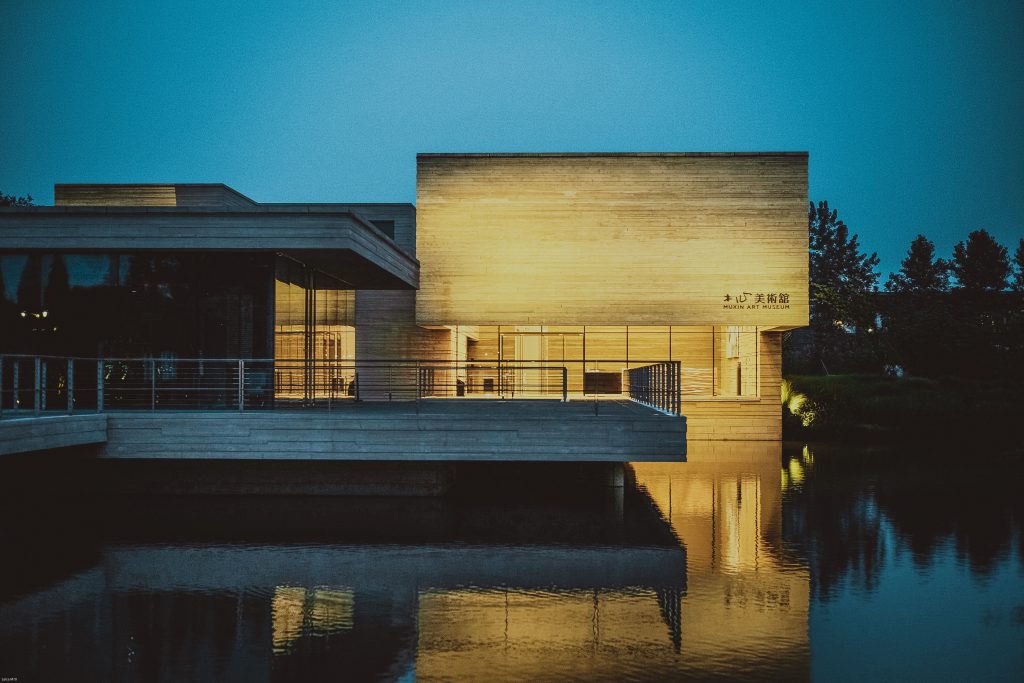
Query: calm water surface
{"type": "Point", "coordinates": [750, 561]}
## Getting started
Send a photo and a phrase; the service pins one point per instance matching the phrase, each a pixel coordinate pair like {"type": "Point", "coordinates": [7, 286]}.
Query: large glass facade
{"type": "Point", "coordinates": [716, 361]}
{"type": "Point", "coordinates": [314, 334]}
{"type": "Point", "coordinates": [157, 304]}
{"type": "Point", "coordinates": [171, 326]}
{"type": "Point", "coordinates": [167, 306]}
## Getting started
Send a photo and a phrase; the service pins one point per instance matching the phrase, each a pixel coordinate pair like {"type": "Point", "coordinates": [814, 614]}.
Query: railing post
{"type": "Point", "coordinates": [679, 388]}
{"type": "Point", "coordinates": [662, 394]}
{"type": "Point", "coordinates": [241, 385]}
{"type": "Point", "coordinates": [152, 384]}
{"type": "Point", "coordinates": [565, 384]}
{"type": "Point", "coordinates": [35, 396]}
{"type": "Point", "coordinates": [70, 385]}
{"type": "Point", "coordinates": [42, 387]}
{"type": "Point", "coordinates": [655, 386]}
{"type": "Point", "coordinates": [15, 381]}
{"type": "Point", "coordinates": [662, 387]}
{"type": "Point", "coordinates": [1, 386]}
{"type": "Point", "coordinates": [99, 385]}
{"type": "Point", "coordinates": [668, 387]}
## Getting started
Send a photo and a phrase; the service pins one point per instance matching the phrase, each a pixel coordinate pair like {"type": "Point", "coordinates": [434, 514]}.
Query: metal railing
{"type": "Point", "coordinates": [657, 385]}
{"type": "Point", "coordinates": [48, 384]}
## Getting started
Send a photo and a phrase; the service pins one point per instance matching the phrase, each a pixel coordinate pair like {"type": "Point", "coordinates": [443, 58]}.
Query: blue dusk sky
{"type": "Point", "coordinates": [911, 111]}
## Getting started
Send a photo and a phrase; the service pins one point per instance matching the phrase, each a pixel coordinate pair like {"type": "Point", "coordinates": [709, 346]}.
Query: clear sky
{"type": "Point", "coordinates": [912, 111]}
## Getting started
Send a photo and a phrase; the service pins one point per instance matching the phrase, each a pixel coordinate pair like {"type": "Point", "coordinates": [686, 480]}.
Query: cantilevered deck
{"type": "Point", "coordinates": [428, 430]}
{"type": "Point", "coordinates": [230, 410]}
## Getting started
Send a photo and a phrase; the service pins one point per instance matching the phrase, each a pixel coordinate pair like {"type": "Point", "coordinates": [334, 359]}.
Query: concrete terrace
{"type": "Point", "coordinates": [428, 430]}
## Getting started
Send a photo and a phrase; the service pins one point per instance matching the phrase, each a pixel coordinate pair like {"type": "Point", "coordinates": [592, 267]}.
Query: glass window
{"type": "Point", "coordinates": [735, 361]}
{"type": "Point", "coordinates": [165, 304]}
{"type": "Point", "coordinates": [314, 334]}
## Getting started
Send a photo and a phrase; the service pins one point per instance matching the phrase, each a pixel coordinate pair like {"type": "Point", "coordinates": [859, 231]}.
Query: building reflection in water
{"type": "Point", "coordinates": [683, 576]}
{"type": "Point", "coordinates": [747, 601]}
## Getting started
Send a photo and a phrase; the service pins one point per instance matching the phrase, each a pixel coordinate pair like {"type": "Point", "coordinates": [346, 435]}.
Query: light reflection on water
{"type": "Point", "coordinates": [748, 561]}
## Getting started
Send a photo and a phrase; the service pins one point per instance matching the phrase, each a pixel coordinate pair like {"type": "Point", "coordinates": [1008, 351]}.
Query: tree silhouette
{"type": "Point", "coordinates": [835, 259]}
{"type": "Point", "coordinates": [11, 200]}
{"type": "Point", "coordinates": [842, 276]}
{"type": "Point", "coordinates": [1018, 260]}
{"type": "Point", "coordinates": [920, 271]}
{"type": "Point", "coordinates": [981, 265]}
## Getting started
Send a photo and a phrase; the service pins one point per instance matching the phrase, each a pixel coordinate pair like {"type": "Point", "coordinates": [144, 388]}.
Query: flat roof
{"type": "Point", "coordinates": [610, 154]}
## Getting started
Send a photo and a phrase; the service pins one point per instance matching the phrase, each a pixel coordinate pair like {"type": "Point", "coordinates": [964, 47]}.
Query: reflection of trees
{"type": "Point", "coordinates": [29, 293]}
{"type": "Point", "coordinates": [57, 288]}
{"type": "Point", "coordinates": [145, 304]}
{"type": "Point", "coordinates": [835, 510]}
{"type": "Point", "coordinates": [829, 519]}
{"type": "Point", "coordinates": [977, 505]}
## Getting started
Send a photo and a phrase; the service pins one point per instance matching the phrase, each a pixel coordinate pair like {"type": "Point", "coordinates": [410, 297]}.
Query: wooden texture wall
{"type": "Point", "coordinates": [179, 194]}
{"type": "Point", "coordinates": [385, 332]}
{"type": "Point", "coordinates": [612, 239]}
{"type": "Point", "coordinates": [743, 419]}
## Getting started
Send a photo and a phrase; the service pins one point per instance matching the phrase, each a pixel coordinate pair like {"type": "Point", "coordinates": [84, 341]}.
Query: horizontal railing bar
{"type": "Point", "coordinates": [183, 359]}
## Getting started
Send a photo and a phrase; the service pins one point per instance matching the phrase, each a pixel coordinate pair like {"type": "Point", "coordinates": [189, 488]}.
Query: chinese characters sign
{"type": "Point", "coordinates": [756, 300]}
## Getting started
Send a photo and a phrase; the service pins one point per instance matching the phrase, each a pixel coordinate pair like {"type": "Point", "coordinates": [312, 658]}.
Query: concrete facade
{"type": "Point", "coordinates": [428, 431]}
{"type": "Point", "coordinates": [600, 263]}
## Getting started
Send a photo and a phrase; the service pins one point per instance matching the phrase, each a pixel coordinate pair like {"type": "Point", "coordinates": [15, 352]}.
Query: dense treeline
{"type": "Point", "coordinates": [956, 317]}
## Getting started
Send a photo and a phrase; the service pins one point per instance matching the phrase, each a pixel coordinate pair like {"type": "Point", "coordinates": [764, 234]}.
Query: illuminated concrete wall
{"type": "Point", "coordinates": [671, 245]}
{"type": "Point", "coordinates": [662, 239]}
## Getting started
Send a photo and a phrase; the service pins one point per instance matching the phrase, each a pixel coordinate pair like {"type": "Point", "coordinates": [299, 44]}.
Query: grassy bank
{"type": "Point", "coordinates": [870, 407]}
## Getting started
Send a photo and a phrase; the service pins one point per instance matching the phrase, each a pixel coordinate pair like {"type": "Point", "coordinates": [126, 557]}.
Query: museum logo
{"type": "Point", "coordinates": [757, 301]}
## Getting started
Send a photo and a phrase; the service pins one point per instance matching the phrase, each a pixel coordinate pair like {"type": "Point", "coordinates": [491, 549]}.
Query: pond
{"type": "Point", "coordinates": [752, 561]}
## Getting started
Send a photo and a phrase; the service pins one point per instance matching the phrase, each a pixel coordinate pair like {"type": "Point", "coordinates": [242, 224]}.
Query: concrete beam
{"type": "Point", "coordinates": [343, 233]}
{"type": "Point", "coordinates": [23, 435]}
{"type": "Point", "coordinates": [452, 430]}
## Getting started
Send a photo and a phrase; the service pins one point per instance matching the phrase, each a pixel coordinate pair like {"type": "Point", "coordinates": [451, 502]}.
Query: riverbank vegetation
{"type": "Point", "coordinates": [875, 407]}
{"type": "Point", "coordinates": [937, 354]}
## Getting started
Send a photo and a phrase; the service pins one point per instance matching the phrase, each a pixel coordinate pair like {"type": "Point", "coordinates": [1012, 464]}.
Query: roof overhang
{"type": "Point", "coordinates": [336, 241]}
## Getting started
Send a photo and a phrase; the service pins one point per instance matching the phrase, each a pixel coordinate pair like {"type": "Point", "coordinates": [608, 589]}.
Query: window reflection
{"type": "Point", "coordinates": [161, 304]}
